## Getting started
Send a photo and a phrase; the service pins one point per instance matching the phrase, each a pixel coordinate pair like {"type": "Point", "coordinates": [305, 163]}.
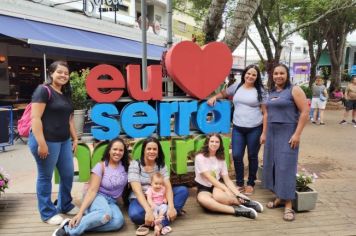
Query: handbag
{"type": "Point", "coordinates": [322, 97]}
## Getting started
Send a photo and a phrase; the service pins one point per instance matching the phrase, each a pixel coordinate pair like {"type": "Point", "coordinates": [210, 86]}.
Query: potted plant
{"type": "Point", "coordinates": [79, 98]}
{"type": "Point", "coordinates": [305, 196]}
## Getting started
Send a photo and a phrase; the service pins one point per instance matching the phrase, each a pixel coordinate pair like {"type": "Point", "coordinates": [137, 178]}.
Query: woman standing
{"type": "Point", "coordinates": [288, 111]}
{"type": "Point", "coordinates": [214, 194]}
{"type": "Point", "coordinates": [99, 211]}
{"type": "Point", "coordinates": [50, 143]}
{"type": "Point", "coordinates": [140, 171]}
{"type": "Point", "coordinates": [319, 99]}
{"type": "Point", "coordinates": [249, 123]}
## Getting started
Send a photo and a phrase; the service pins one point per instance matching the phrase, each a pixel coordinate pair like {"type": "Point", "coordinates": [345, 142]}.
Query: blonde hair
{"type": "Point", "coordinates": [157, 175]}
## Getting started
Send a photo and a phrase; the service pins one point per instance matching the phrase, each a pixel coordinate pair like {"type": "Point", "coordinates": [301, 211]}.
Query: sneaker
{"type": "Point", "coordinates": [55, 220]}
{"type": "Point", "coordinates": [343, 122]}
{"type": "Point", "coordinates": [353, 122]}
{"type": "Point", "coordinates": [254, 205]}
{"type": "Point", "coordinates": [73, 212]}
{"type": "Point", "coordinates": [60, 231]}
{"type": "Point", "coordinates": [245, 212]}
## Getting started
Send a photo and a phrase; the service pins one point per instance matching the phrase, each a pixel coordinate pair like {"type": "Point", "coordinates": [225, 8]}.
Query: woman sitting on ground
{"type": "Point", "coordinates": [99, 211]}
{"type": "Point", "coordinates": [216, 191]}
{"type": "Point", "coordinates": [140, 172]}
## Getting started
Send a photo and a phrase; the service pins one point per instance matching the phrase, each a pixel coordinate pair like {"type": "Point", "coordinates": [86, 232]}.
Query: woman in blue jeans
{"type": "Point", "coordinates": [249, 123]}
{"type": "Point", "coordinates": [140, 212]}
{"type": "Point", "coordinates": [99, 212]}
{"type": "Point", "coordinates": [49, 141]}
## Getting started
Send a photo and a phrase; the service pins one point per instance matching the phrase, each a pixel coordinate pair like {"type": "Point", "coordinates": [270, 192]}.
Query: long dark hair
{"type": "Point", "coordinates": [125, 158]}
{"type": "Point", "coordinates": [160, 157]}
{"type": "Point", "coordinates": [205, 149]}
{"type": "Point", "coordinates": [66, 89]}
{"type": "Point", "coordinates": [287, 84]}
{"type": "Point", "coordinates": [258, 82]}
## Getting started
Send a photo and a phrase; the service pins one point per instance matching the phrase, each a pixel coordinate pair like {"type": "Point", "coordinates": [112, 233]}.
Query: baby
{"type": "Point", "coordinates": [156, 197]}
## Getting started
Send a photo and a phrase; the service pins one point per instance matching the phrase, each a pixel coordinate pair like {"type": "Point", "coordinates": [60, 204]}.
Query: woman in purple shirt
{"type": "Point", "coordinates": [99, 211]}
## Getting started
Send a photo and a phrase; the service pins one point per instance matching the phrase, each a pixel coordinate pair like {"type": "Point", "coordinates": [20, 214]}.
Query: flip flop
{"type": "Point", "coordinates": [142, 230]}
{"type": "Point", "coordinates": [289, 214]}
{"type": "Point", "coordinates": [165, 230]}
{"type": "Point", "coordinates": [181, 213]}
{"type": "Point", "coordinates": [274, 204]}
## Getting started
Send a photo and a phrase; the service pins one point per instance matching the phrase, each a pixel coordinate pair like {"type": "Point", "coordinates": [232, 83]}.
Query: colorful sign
{"type": "Point", "coordinates": [196, 71]}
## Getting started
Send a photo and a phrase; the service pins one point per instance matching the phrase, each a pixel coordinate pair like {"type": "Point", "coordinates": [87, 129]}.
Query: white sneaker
{"type": "Point", "coordinates": [73, 212]}
{"type": "Point", "coordinates": [55, 220]}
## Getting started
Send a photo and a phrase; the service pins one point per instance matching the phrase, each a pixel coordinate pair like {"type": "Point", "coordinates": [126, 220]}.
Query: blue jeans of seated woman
{"type": "Point", "coordinates": [242, 137]}
{"type": "Point", "coordinates": [137, 213]}
{"type": "Point", "coordinates": [103, 215]}
{"type": "Point", "coordinates": [60, 156]}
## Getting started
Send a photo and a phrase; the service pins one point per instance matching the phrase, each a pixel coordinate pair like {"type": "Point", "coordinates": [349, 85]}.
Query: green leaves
{"type": "Point", "coordinates": [79, 93]}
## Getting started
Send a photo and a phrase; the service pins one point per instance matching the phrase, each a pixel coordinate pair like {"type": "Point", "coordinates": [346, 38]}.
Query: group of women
{"type": "Point", "coordinates": [276, 120]}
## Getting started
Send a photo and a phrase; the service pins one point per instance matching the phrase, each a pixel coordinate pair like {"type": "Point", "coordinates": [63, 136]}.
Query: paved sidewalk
{"type": "Point", "coordinates": [329, 151]}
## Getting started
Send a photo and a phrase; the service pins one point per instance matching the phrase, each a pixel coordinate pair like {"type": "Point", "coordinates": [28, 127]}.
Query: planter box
{"type": "Point", "coordinates": [305, 201]}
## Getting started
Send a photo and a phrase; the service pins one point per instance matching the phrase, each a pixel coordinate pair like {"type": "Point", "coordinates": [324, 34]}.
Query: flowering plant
{"type": "Point", "coordinates": [303, 180]}
{"type": "Point", "coordinates": [4, 180]}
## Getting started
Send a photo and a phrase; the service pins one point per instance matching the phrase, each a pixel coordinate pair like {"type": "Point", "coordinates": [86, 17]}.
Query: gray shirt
{"type": "Point", "coordinates": [247, 108]}
{"type": "Point", "coordinates": [317, 90]}
{"type": "Point", "coordinates": [137, 173]}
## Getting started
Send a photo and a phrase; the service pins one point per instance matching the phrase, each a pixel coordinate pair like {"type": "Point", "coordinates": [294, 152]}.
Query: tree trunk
{"type": "Point", "coordinates": [336, 39]}
{"type": "Point", "coordinates": [241, 19]}
{"type": "Point", "coordinates": [213, 22]}
{"type": "Point", "coordinates": [314, 56]}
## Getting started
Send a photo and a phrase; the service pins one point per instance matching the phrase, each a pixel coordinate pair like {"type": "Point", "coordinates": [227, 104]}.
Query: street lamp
{"type": "Point", "coordinates": [290, 43]}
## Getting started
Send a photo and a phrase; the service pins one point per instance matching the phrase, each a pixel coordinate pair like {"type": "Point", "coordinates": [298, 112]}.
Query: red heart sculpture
{"type": "Point", "coordinates": [198, 71]}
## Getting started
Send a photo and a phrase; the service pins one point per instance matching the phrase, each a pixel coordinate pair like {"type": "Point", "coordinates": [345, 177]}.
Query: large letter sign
{"type": "Point", "coordinates": [197, 71]}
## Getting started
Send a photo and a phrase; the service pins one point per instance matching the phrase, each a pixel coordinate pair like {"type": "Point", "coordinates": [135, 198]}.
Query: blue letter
{"type": "Point", "coordinates": [104, 115]}
{"type": "Point", "coordinates": [165, 111]}
{"type": "Point", "coordinates": [220, 122]}
{"type": "Point", "coordinates": [182, 122]}
{"type": "Point", "coordinates": [138, 125]}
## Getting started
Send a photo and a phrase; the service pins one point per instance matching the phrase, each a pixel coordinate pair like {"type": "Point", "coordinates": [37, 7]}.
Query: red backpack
{"type": "Point", "coordinates": [24, 124]}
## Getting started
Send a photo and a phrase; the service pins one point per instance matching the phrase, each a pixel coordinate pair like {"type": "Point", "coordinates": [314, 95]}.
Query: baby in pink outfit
{"type": "Point", "coordinates": [156, 198]}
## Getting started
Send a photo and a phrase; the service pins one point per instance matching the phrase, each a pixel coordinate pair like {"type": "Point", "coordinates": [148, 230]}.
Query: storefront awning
{"type": "Point", "coordinates": [55, 36]}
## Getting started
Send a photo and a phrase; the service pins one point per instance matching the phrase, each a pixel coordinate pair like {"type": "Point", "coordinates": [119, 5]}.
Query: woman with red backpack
{"type": "Point", "coordinates": [50, 142]}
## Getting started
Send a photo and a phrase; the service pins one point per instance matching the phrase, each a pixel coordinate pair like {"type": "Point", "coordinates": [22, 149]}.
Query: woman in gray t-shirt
{"type": "Point", "coordinates": [249, 123]}
{"type": "Point", "coordinates": [140, 171]}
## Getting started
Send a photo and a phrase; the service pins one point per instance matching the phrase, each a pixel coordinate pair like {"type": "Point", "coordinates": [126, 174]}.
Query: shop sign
{"type": "Point", "coordinates": [90, 6]}
{"type": "Point", "coordinates": [197, 71]}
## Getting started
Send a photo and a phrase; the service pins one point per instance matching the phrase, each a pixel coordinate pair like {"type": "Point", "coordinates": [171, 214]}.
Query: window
{"type": "Point", "coordinates": [305, 50]}
{"type": "Point", "coordinates": [298, 49]}
{"type": "Point", "coordinates": [182, 26]}
{"type": "Point", "coordinates": [158, 18]}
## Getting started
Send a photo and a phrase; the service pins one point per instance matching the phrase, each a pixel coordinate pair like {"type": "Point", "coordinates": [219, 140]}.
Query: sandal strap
{"type": "Point", "coordinates": [289, 210]}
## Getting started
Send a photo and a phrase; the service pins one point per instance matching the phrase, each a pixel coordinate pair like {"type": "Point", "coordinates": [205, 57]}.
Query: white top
{"type": "Point", "coordinates": [216, 167]}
